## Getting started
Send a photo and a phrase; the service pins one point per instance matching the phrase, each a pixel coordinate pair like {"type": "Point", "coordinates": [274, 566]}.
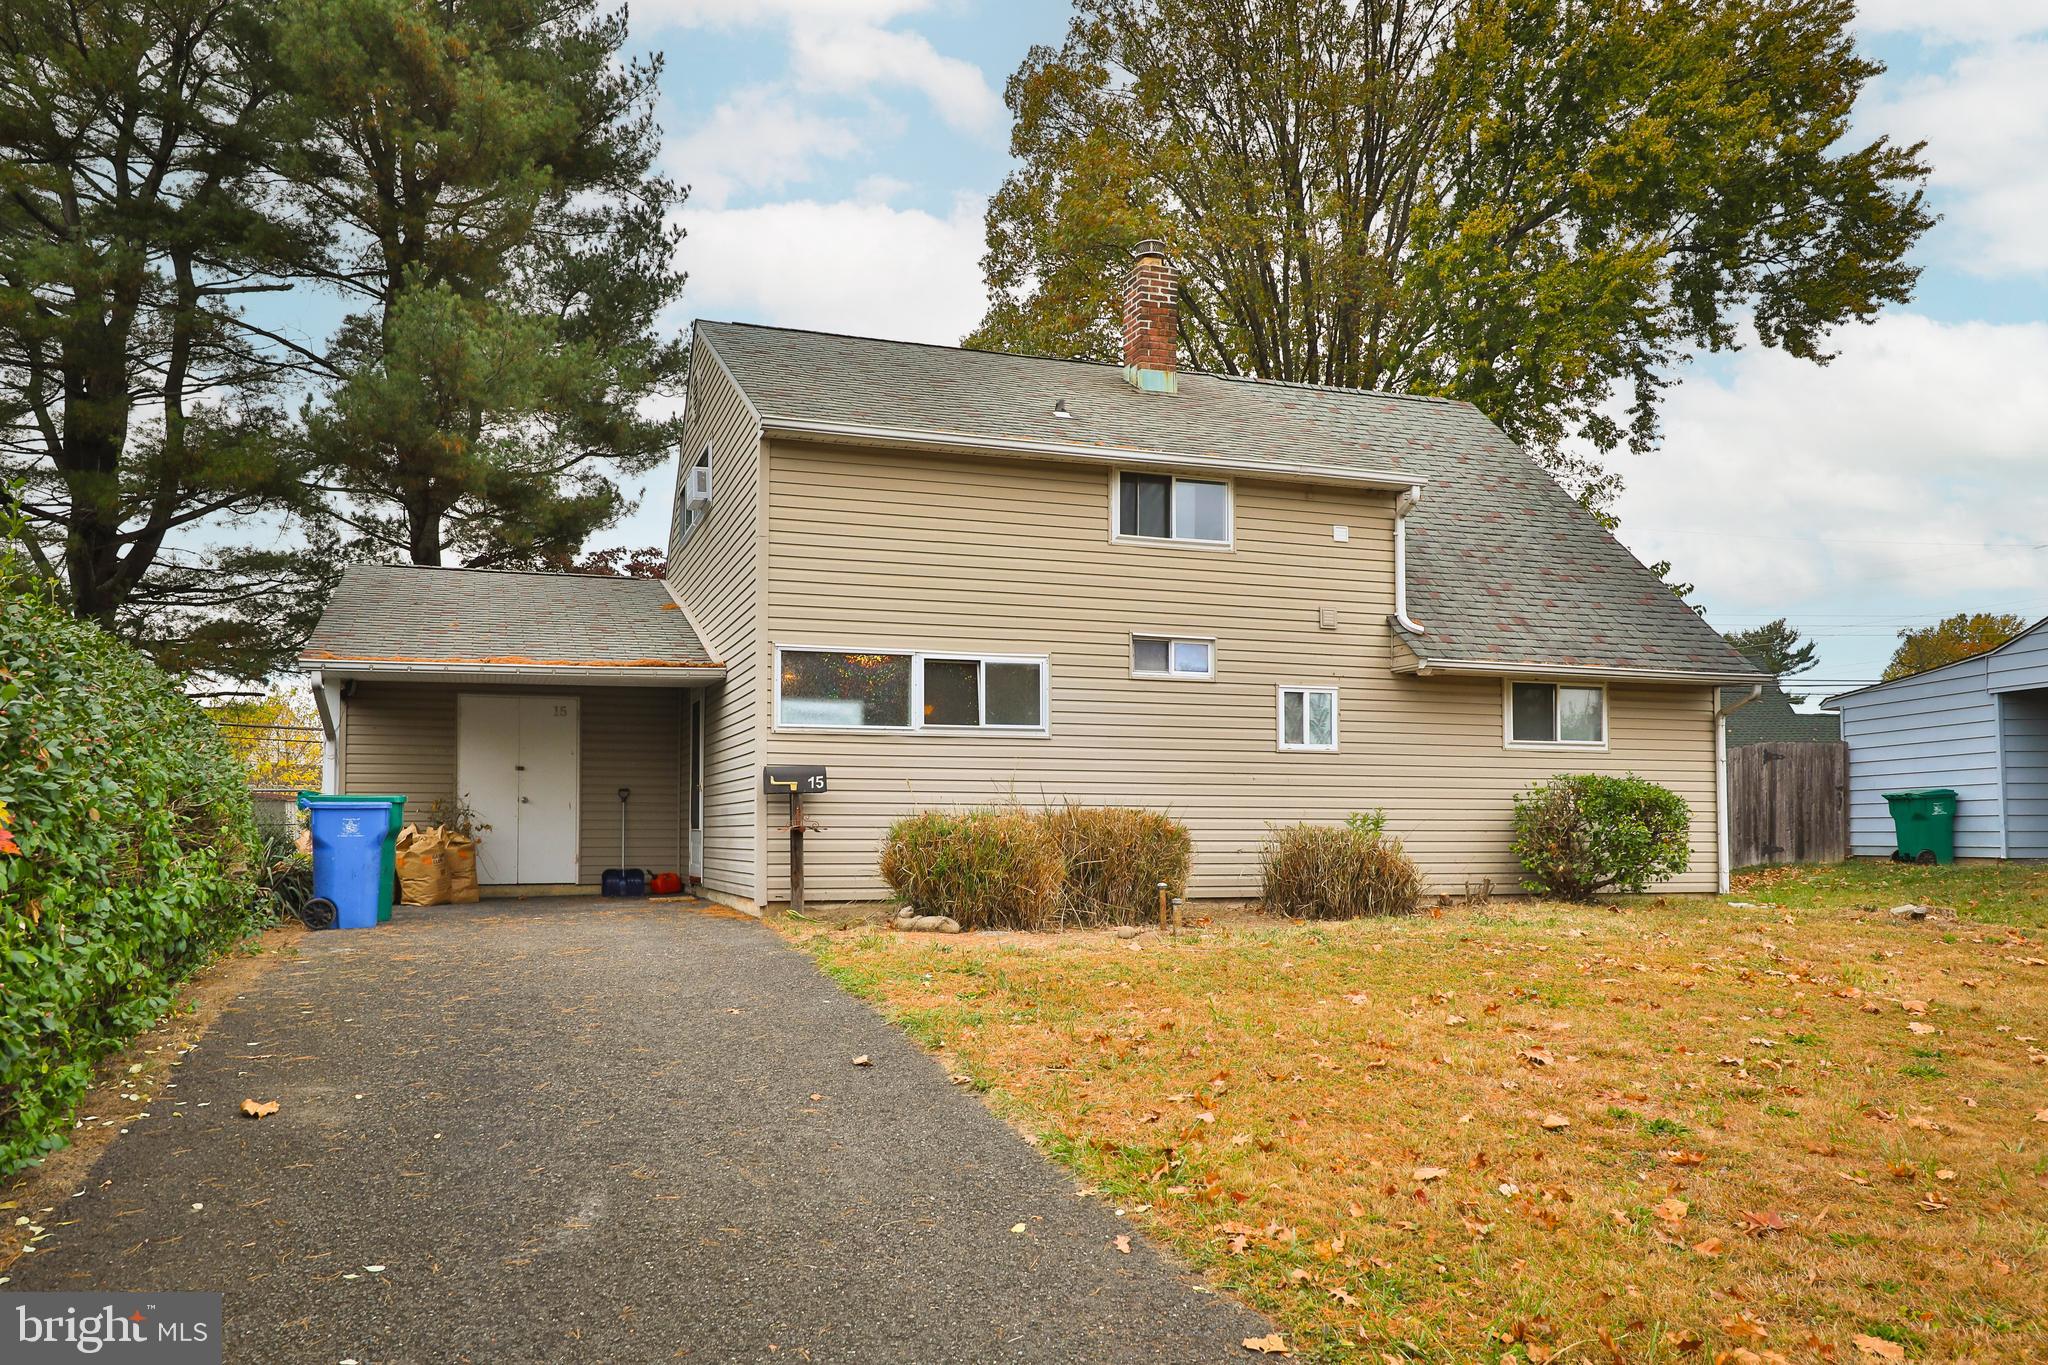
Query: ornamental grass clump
{"type": "Point", "coordinates": [988, 869]}
{"type": "Point", "coordinates": [131, 857]}
{"type": "Point", "coordinates": [1583, 833]}
{"type": "Point", "coordinates": [1343, 871]}
{"type": "Point", "coordinates": [1113, 859]}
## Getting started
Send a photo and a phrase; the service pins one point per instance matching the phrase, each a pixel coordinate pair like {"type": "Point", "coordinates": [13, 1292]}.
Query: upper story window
{"type": "Point", "coordinates": [848, 690]}
{"type": "Point", "coordinates": [1168, 507]}
{"type": "Point", "coordinates": [1541, 713]}
{"type": "Point", "coordinates": [1161, 656]}
{"type": "Point", "coordinates": [694, 491]}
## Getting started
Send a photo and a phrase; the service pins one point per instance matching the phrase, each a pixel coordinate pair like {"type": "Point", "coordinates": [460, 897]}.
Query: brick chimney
{"type": "Point", "coordinates": [1150, 320]}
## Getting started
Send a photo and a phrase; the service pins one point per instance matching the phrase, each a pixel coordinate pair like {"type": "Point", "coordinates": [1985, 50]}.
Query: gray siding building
{"type": "Point", "coordinates": [1980, 726]}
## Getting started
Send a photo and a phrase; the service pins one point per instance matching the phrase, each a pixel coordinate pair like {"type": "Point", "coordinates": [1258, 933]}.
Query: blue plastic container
{"type": "Point", "coordinates": [348, 855]}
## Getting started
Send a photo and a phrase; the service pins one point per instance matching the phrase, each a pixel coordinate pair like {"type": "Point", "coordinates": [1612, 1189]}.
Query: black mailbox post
{"type": "Point", "coordinates": [795, 780]}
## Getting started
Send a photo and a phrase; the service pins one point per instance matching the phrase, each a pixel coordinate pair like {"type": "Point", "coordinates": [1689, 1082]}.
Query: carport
{"type": "Point", "coordinates": [563, 713]}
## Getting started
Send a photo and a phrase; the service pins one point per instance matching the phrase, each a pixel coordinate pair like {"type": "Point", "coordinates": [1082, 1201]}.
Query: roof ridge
{"type": "Point", "coordinates": [464, 568]}
{"type": "Point", "coordinates": [1093, 364]}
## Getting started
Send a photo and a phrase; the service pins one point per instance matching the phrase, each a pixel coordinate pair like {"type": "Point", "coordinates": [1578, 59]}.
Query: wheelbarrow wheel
{"type": "Point", "coordinates": [317, 913]}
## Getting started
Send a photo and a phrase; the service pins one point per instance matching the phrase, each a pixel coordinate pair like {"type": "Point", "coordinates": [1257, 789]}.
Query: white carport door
{"type": "Point", "coordinates": [516, 766]}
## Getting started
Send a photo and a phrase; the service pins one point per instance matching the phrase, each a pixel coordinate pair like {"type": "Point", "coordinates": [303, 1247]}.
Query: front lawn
{"type": "Point", "coordinates": [1998, 893]}
{"type": "Point", "coordinates": [1661, 1132]}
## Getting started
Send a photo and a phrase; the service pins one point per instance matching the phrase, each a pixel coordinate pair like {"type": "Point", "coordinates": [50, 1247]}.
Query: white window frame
{"type": "Point", "coordinates": [693, 519]}
{"type": "Point", "coordinates": [917, 724]}
{"type": "Point", "coordinates": [1171, 673]}
{"type": "Point", "coordinates": [1116, 490]}
{"type": "Point", "coordinates": [1507, 716]}
{"type": "Point", "coordinates": [1280, 717]}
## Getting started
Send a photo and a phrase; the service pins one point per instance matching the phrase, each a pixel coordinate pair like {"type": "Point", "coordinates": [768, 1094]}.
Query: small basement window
{"type": "Point", "coordinates": [1541, 713]}
{"type": "Point", "coordinates": [1167, 507]}
{"type": "Point", "coordinates": [1308, 717]}
{"type": "Point", "coordinates": [1162, 656]}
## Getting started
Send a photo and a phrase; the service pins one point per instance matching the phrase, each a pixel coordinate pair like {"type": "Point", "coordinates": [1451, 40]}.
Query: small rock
{"type": "Point", "coordinates": [911, 922]}
{"type": "Point", "coordinates": [1910, 911]}
{"type": "Point", "coordinates": [1128, 931]}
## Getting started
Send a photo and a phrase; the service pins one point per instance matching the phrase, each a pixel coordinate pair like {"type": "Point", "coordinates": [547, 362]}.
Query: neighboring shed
{"type": "Point", "coordinates": [1979, 726]}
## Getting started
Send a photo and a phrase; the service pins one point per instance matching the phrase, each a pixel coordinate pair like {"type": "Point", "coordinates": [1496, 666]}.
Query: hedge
{"type": "Point", "coordinates": [1011, 868]}
{"type": "Point", "coordinates": [1338, 871]}
{"type": "Point", "coordinates": [137, 858]}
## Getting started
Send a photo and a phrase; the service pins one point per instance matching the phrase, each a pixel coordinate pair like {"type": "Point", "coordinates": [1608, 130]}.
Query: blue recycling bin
{"type": "Point", "coordinates": [348, 855]}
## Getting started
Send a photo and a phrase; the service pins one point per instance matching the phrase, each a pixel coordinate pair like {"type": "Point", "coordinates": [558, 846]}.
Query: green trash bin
{"type": "Point", "coordinates": [1926, 825]}
{"type": "Point", "coordinates": [387, 885]}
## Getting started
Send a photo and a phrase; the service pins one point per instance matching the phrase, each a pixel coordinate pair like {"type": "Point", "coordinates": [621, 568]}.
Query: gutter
{"type": "Point", "coordinates": [1424, 667]}
{"type": "Point", "coordinates": [595, 675]}
{"type": "Point", "coordinates": [1722, 710]}
{"type": "Point", "coordinates": [1403, 505]}
{"type": "Point", "coordinates": [959, 443]}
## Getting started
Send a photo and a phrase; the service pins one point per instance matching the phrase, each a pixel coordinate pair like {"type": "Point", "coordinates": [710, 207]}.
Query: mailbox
{"type": "Point", "coordinates": [792, 779]}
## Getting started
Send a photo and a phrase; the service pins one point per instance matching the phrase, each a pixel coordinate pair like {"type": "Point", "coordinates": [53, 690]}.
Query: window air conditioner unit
{"type": "Point", "coordinates": [697, 492]}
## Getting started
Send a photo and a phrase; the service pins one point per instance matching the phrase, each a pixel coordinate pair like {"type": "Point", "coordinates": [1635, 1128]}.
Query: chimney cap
{"type": "Point", "coordinates": [1151, 246]}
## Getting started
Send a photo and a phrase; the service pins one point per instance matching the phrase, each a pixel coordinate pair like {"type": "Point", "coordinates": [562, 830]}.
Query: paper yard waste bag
{"type": "Point", "coordinates": [422, 868]}
{"type": "Point", "coordinates": [460, 854]}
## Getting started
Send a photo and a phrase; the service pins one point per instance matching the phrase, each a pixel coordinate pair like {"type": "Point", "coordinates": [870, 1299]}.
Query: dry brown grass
{"type": "Point", "coordinates": [1788, 1130]}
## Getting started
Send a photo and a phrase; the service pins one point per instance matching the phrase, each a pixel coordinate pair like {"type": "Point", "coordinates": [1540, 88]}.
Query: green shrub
{"type": "Point", "coordinates": [1338, 872]}
{"type": "Point", "coordinates": [1113, 859]}
{"type": "Point", "coordinates": [1583, 833]}
{"type": "Point", "coordinates": [989, 869]}
{"type": "Point", "coordinates": [138, 858]}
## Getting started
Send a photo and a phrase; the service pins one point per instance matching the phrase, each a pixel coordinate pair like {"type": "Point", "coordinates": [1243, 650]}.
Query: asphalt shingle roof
{"type": "Point", "coordinates": [1504, 567]}
{"type": "Point", "coordinates": [1770, 719]}
{"type": "Point", "coordinates": [413, 613]}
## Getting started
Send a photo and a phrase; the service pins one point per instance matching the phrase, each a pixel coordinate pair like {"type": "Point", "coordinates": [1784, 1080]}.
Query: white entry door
{"type": "Point", "coordinates": [516, 765]}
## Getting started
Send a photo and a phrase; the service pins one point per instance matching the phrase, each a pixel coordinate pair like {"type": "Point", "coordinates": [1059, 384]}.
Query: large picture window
{"type": "Point", "coordinates": [1556, 713]}
{"type": "Point", "coordinates": [1166, 507]}
{"type": "Point", "coordinates": [908, 690]}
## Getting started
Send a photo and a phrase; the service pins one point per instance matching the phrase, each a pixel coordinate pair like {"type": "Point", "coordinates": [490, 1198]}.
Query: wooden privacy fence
{"type": "Point", "coordinates": [1788, 803]}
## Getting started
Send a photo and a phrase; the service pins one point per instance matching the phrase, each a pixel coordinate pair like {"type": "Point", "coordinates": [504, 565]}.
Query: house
{"type": "Point", "coordinates": [1979, 726]}
{"type": "Point", "coordinates": [1772, 719]}
{"type": "Point", "coordinates": [953, 577]}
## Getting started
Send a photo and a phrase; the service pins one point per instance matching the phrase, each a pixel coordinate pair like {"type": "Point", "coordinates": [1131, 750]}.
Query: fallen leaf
{"type": "Point", "coordinates": [1684, 1340]}
{"type": "Point", "coordinates": [1267, 1345]}
{"type": "Point", "coordinates": [1685, 1158]}
{"type": "Point", "coordinates": [1016, 1227]}
{"type": "Point", "coordinates": [1944, 1174]}
{"type": "Point", "coordinates": [1933, 1202]}
{"type": "Point", "coordinates": [1429, 1172]}
{"type": "Point", "coordinates": [1744, 1325]}
{"type": "Point", "coordinates": [1877, 1348]}
{"type": "Point", "coordinates": [862, 1060]}
{"type": "Point", "coordinates": [1759, 1224]}
{"type": "Point", "coordinates": [1713, 1246]}
{"type": "Point", "coordinates": [1555, 1122]}
{"type": "Point", "coordinates": [1123, 1244]}
{"type": "Point", "coordinates": [259, 1109]}
{"type": "Point", "coordinates": [2041, 1116]}
{"type": "Point", "coordinates": [1920, 1028]}
{"type": "Point", "coordinates": [1539, 1056]}
{"type": "Point", "coordinates": [1672, 1210]}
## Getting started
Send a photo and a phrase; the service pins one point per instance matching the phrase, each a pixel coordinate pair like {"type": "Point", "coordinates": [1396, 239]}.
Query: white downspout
{"type": "Point", "coordinates": [1403, 505]}
{"type": "Point", "coordinates": [1722, 711]}
{"type": "Point", "coordinates": [327, 701]}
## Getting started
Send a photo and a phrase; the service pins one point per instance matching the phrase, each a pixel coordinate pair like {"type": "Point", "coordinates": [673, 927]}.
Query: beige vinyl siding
{"type": "Point", "coordinates": [882, 550]}
{"type": "Point", "coordinates": [400, 738]}
{"type": "Point", "coordinates": [716, 576]}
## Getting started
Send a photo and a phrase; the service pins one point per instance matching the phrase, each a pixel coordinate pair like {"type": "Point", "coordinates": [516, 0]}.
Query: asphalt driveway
{"type": "Point", "coordinates": [588, 1131]}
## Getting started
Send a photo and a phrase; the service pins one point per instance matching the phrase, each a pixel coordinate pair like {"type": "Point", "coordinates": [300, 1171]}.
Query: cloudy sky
{"type": "Point", "coordinates": [841, 152]}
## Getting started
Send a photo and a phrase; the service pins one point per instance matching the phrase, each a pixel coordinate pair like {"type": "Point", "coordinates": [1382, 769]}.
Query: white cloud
{"type": "Point", "coordinates": [1913, 468]}
{"type": "Point", "coordinates": [1985, 119]}
{"type": "Point", "coordinates": [759, 139]}
{"type": "Point", "coordinates": [1953, 21]}
{"type": "Point", "coordinates": [848, 266]}
{"type": "Point", "coordinates": [844, 47]}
